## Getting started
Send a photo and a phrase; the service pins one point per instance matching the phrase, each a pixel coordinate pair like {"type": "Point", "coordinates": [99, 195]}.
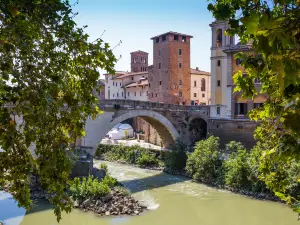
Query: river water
{"type": "Point", "coordinates": [172, 200]}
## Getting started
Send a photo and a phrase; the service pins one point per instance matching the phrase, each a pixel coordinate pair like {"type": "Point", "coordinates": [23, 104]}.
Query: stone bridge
{"type": "Point", "coordinates": [171, 121]}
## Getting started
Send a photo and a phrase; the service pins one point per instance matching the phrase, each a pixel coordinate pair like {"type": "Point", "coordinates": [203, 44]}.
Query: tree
{"type": "Point", "coordinates": [48, 72]}
{"type": "Point", "coordinates": [273, 27]}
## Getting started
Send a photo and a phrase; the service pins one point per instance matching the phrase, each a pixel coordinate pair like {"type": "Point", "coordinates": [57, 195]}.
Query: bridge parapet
{"type": "Point", "coordinates": [132, 104]}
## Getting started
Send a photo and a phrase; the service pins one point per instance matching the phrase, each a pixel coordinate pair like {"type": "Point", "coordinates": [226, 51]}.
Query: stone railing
{"type": "Point", "coordinates": [132, 104]}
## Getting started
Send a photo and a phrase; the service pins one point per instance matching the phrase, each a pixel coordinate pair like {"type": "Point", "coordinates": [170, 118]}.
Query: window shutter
{"type": "Point", "coordinates": [236, 108]}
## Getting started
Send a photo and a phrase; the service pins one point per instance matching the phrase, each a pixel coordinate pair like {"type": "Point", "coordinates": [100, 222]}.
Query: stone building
{"type": "Point", "coordinates": [200, 87]}
{"type": "Point", "coordinates": [139, 61]}
{"type": "Point", "coordinates": [100, 93]}
{"type": "Point", "coordinates": [228, 110]}
{"type": "Point", "coordinates": [169, 76]}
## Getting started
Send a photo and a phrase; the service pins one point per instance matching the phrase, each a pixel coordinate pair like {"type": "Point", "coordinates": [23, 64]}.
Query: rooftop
{"type": "Point", "coordinates": [199, 72]}
{"type": "Point", "coordinates": [128, 74]}
{"type": "Point", "coordinates": [171, 32]}
{"type": "Point", "coordinates": [139, 51]}
{"type": "Point", "coordinates": [135, 84]}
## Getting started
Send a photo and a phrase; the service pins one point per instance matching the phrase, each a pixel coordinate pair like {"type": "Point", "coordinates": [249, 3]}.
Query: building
{"type": "Point", "coordinates": [228, 110]}
{"type": "Point", "coordinates": [200, 87]}
{"type": "Point", "coordinates": [139, 61]}
{"type": "Point", "coordinates": [225, 103]}
{"type": "Point", "coordinates": [99, 92]}
{"type": "Point", "coordinates": [169, 76]}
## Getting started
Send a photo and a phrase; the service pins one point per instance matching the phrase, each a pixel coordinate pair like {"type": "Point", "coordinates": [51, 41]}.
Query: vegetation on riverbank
{"type": "Point", "coordinates": [130, 154]}
{"type": "Point", "coordinates": [232, 168]}
{"type": "Point", "coordinates": [104, 197]}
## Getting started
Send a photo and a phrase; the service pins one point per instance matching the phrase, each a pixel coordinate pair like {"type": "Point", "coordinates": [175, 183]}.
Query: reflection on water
{"type": "Point", "coordinates": [173, 200]}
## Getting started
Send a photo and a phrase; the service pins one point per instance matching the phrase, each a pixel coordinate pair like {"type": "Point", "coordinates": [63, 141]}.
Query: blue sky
{"type": "Point", "coordinates": [134, 22]}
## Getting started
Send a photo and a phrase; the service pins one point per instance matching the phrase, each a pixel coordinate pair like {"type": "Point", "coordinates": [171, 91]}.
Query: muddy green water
{"type": "Point", "coordinates": [172, 200]}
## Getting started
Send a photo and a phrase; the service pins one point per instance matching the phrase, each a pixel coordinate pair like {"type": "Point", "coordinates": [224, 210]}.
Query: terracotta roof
{"type": "Point", "coordinates": [116, 73]}
{"type": "Point", "coordinates": [171, 32]}
{"type": "Point", "coordinates": [135, 84]}
{"type": "Point", "coordinates": [131, 74]}
{"type": "Point", "coordinates": [139, 51]}
{"type": "Point", "coordinates": [199, 72]}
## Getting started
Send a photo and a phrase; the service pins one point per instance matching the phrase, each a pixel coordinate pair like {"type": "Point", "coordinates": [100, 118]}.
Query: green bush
{"type": "Point", "coordinates": [237, 170]}
{"type": "Point", "coordinates": [104, 166]}
{"type": "Point", "coordinates": [293, 180]}
{"type": "Point", "coordinates": [109, 181]}
{"type": "Point", "coordinates": [233, 146]}
{"type": "Point", "coordinates": [123, 190]}
{"type": "Point", "coordinates": [204, 163]}
{"type": "Point", "coordinates": [88, 188]}
{"type": "Point", "coordinates": [147, 159]}
{"type": "Point", "coordinates": [176, 156]}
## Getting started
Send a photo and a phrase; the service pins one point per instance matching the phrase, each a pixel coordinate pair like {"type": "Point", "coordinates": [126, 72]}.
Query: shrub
{"type": "Point", "coordinates": [203, 164]}
{"type": "Point", "coordinates": [87, 188]}
{"type": "Point", "coordinates": [104, 166]}
{"type": "Point", "coordinates": [176, 157]}
{"type": "Point", "coordinates": [293, 180]}
{"type": "Point", "coordinates": [147, 159]}
{"type": "Point", "coordinates": [123, 190]}
{"type": "Point", "coordinates": [254, 162]}
{"type": "Point", "coordinates": [237, 170]}
{"type": "Point", "coordinates": [109, 181]}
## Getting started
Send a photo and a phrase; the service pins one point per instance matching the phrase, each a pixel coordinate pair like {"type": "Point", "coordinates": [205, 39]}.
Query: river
{"type": "Point", "coordinates": [172, 200]}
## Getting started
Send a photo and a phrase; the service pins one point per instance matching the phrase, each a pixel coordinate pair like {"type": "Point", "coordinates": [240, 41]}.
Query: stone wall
{"type": "Point", "coordinates": [233, 130]}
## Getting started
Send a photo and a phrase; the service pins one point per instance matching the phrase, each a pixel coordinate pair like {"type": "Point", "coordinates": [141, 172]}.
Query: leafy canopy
{"type": "Point", "coordinates": [274, 28]}
{"type": "Point", "coordinates": [48, 71]}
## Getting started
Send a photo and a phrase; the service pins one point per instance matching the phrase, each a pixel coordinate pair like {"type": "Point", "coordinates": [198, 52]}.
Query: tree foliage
{"type": "Point", "coordinates": [203, 164]}
{"type": "Point", "coordinates": [273, 27]}
{"type": "Point", "coordinates": [48, 71]}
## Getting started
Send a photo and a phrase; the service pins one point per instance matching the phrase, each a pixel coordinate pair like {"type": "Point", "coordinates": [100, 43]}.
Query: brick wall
{"type": "Point", "coordinates": [139, 61]}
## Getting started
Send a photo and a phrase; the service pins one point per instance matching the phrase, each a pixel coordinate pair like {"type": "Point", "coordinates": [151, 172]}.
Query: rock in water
{"type": "Point", "coordinates": [107, 213]}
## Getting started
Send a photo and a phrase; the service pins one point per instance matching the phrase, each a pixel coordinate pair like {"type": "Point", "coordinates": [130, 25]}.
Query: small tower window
{"type": "Point", "coordinates": [175, 37]}
{"type": "Point", "coordinates": [163, 38]}
{"type": "Point", "coordinates": [203, 84]}
{"type": "Point", "coordinates": [183, 38]}
{"type": "Point", "coordinates": [195, 95]}
{"type": "Point", "coordinates": [159, 66]}
{"type": "Point", "coordinates": [157, 39]}
{"type": "Point", "coordinates": [159, 52]}
{"type": "Point", "coordinates": [160, 82]}
{"type": "Point", "coordinates": [218, 110]}
{"type": "Point", "coordinates": [219, 62]}
{"type": "Point", "coordinates": [219, 83]}
{"type": "Point", "coordinates": [180, 65]}
{"type": "Point", "coordinates": [180, 82]}
{"type": "Point", "coordinates": [179, 52]}
{"type": "Point", "coordinates": [219, 37]}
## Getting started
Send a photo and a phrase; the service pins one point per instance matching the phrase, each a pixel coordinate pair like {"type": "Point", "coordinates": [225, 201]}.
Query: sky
{"type": "Point", "coordinates": [134, 22]}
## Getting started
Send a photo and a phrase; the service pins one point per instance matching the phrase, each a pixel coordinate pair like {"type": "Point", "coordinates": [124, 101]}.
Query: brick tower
{"type": "Point", "coordinates": [169, 77]}
{"type": "Point", "coordinates": [139, 61]}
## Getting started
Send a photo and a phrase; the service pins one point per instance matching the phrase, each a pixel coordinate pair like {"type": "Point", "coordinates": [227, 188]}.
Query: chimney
{"type": "Point", "coordinates": [197, 68]}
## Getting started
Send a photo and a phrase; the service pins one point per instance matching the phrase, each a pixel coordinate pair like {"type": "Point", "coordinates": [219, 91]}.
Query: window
{"type": "Point", "coordinates": [195, 95]}
{"type": "Point", "coordinates": [122, 94]}
{"type": "Point", "coordinates": [180, 65]}
{"type": "Point", "coordinates": [140, 93]}
{"type": "Point", "coordinates": [106, 79]}
{"type": "Point", "coordinates": [149, 84]}
{"type": "Point", "coordinates": [157, 39]}
{"type": "Point", "coordinates": [152, 95]}
{"type": "Point", "coordinates": [179, 52]}
{"type": "Point", "coordinates": [159, 65]}
{"type": "Point", "coordinates": [147, 93]}
{"type": "Point", "coordinates": [240, 127]}
{"type": "Point", "coordinates": [183, 38]}
{"type": "Point", "coordinates": [155, 94]}
{"type": "Point", "coordinates": [203, 95]}
{"type": "Point", "coordinates": [113, 95]}
{"type": "Point", "coordinates": [128, 94]}
{"type": "Point", "coordinates": [203, 84]}
{"type": "Point", "coordinates": [257, 81]}
{"type": "Point", "coordinates": [180, 82]}
{"type": "Point", "coordinates": [113, 83]}
{"type": "Point", "coordinates": [133, 60]}
{"type": "Point", "coordinates": [219, 62]}
{"type": "Point", "coordinates": [240, 109]}
{"type": "Point", "coordinates": [134, 93]}
{"type": "Point", "coordinates": [238, 61]}
{"type": "Point", "coordinates": [163, 38]}
{"type": "Point", "coordinates": [218, 110]}
{"type": "Point", "coordinates": [195, 83]}
{"type": "Point", "coordinates": [117, 94]}
{"type": "Point", "coordinates": [258, 105]}
{"type": "Point", "coordinates": [219, 37]}
{"type": "Point", "coordinates": [131, 78]}
{"type": "Point", "coordinates": [142, 69]}
{"type": "Point", "coordinates": [159, 52]}
{"type": "Point", "coordinates": [219, 83]}
{"type": "Point", "coordinates": [175, 37]}
{"type": "Point", "coordinates": [120, 84]}
{"type": "Point", "coordinates": [160, 82]}
{"type": "Point", "coordinates": [180, 94]}
{"type": "Point", "coordinates": [231, 40]}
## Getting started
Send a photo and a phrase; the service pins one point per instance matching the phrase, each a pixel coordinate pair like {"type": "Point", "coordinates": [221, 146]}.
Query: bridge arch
{"type": "Point", "coordinates": [96, 130]}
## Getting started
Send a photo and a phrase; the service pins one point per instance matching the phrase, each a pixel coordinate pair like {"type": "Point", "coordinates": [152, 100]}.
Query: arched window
{"type": "Point", "coordinates": [202, 84]}
{"type": "Point", "coordinates": [219, 37]}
